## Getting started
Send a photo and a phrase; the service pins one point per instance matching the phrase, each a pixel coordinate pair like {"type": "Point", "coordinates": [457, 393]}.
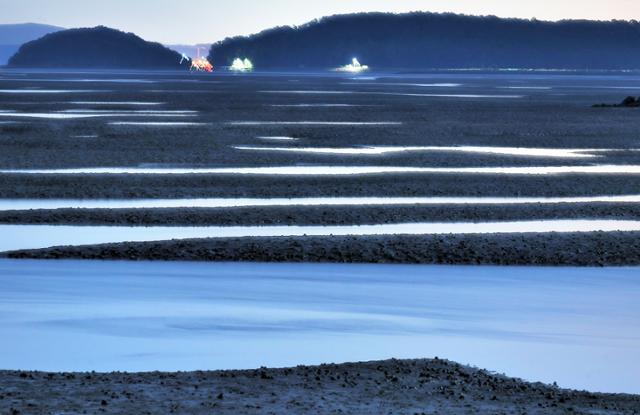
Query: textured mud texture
{"type": "Point", "coordinates": [578, 249]}
{"type": "Point", "coordinates": [387, 387]}
{"type": "Point", "coordinates": [321, 215]}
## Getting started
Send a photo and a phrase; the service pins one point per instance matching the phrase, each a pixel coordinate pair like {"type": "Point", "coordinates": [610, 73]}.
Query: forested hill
{"type": "Point", "coordinates": [12, 36]}
{"type": "Point", "coordinates": [98, 47]}
{"type": "Point", "coordinates": [428, 40]}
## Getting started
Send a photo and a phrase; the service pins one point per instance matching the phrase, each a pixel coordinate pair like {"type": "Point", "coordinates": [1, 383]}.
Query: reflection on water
{"type": "Point", "coordinates": [49, 91]}
{"type": "Point", "coordinates": [277, 138]}
{"type": "Point", "coordinates": [18, 237]}
{"type": "Point", "coordinates": [400, 94]}
{"type": "Point", "coordinates": [120, 112]}
{"type": "Point", "coordinates": [381, 150]}
{"type": "Point", "coordinates": [158, 124]}
{"type": "Point", "coordinates": [542, 88]}
{"type": "Point", "coordinates": [310, 92]}
{"type": "Point", "coordinates": [28, 204]}
{"type": "Point", "coordinates": [312, 123]}
{"type": "Point", "coordinates": [433, 85]}
{"type": "Point", "coordinates": [473, 96]}
{"type": "Point", "coordinates": [574, 326]}
{"type": "Point", "coordinates": [331, 170]}
{"type": "Point", "coordinates": [314, 105]}
{"type": "Point", "coordinates": [137, 103]}
{"type": "Point", "coordinates": [78, 114]}
{"type": "Point", "coordinates": [95, 80]}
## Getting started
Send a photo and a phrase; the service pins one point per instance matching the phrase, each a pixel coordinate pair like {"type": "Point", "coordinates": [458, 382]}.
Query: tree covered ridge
{"type": "Point", "coordinates": [432, 40]}
{"type": "Point", "coordinates": [98, 47]}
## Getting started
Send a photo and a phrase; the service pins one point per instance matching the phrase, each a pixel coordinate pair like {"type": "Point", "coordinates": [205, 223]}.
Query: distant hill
{"type": "Point", "coordinates": [99, 47]}
{"type": "Point", "coordinates": [191, 50]}
{"type": "Point", "coordinates": [429, 40]}
{"type": "Point", "coordinates": [12, 36]}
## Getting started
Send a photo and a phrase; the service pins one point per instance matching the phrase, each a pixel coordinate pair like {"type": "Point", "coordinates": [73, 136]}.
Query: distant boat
{"type": "Point", "coordinates": [354, 66]}
{"type": "Point", "coordinates": [241, 65]}
{"type": "Point", "coordinates": [199, 64]}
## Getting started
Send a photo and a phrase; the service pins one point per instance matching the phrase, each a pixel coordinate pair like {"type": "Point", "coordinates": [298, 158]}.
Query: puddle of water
{"type": "Point", "coordinates": [400, 94]}
{"type": "Point", "coordinates": [88, 114]}
{"type": "Point", "coordinates": [310, 92]}
{"type": "Point", "coordinates": [137, 103]}
{"type": "Point", "coordinates": [511, 151]}
{"type": "Point", "coordinates": [158, 124]}
{"type": "Point", "coordinates": [334, 170]}
{"type": "Point", "coordinates": [49, 91]}
{"type": "Point", "coordinates": [574, 323]}
{"type": "Point", "coordinates": [472, 96]}
{"type": "Point", "coordinates": [35, 204]}
{"type": "Point", "coordinates": [311, 123]}
{"type": "Point", "coordinates": [18, 237]}
{"type": "Point", "coordinates": [51, 116]}
{"type": "Point", "coordinates": [541, 88]}
{"type": "Point", "coordinates": [314, 105]}
{"type": "Point", "coordinates": [278, 138]}
{"type": "Point", "coordinates": [63, 80]}
{"type": "Point", "coordinates": [120, 112]}
{"type": "Point", "coordinates": [435, 85]}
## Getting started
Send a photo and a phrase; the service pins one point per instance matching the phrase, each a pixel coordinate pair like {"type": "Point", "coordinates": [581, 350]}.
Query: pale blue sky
{"type": "Point", "coordinates": [191, 21]}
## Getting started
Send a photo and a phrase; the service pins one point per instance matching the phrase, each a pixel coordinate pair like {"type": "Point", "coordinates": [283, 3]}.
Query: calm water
{"type": "Point", "coordinates": [18, 237]}
{"type": "Point", "coordinates": [29, 204]}
{"type": "Point", "coordinates": [579, 327]}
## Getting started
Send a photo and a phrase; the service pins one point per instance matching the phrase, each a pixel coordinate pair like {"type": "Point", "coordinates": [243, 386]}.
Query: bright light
{"type": "Point", "coordinates": [201, 65]}
{"type": "Point", "coordinates": [241, 65]}
{"type": "Point", "coordinates": [354, 66]}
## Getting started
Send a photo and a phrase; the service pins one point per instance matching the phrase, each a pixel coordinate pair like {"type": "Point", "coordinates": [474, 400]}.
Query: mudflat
{"type": "Point", "coordinates": [390, 387]}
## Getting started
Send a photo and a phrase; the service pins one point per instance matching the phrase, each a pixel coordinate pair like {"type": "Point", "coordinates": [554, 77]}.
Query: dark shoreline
{"type": "Point", "coordinates": [392, 386]}
{"type": "Point", "coordinates": [323, 215]}
{"type": "Point", "coordinates": [557, 249]}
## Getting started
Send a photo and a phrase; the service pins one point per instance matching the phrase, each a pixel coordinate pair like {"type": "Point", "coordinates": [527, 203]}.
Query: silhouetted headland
{"type": "Point", "coordinates": [439, 41]}
{"type": "Point", "coordinates": [99, 47]}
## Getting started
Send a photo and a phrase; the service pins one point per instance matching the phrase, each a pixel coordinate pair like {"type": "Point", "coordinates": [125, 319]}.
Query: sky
{"type": "Point", "coordinates": [207, 21]}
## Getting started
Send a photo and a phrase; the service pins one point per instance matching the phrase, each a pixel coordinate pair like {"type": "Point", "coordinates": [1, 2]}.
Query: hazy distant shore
{"type": "Point", "coordinates": [392, 387]}
{"type": "Point", "coordinates": [566, 249]}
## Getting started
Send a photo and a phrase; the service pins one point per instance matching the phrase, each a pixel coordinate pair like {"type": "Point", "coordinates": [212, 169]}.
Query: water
{"type": "Point", "coordinates": [399, 94]}
{"type": "Point", "coordinates": [579, 326]}
{"type": "Point", "coordinates": [313, 123]}
{"type": "Point", "coordinates": [277, 138]}
{"type": "Point", "coordinates": [133, 103]}
{"type": "Point", "coordinates": [29, 204]}
{"type": "Point", "coordinates": [18, 237]}
{"type": "Point", "coordinates": [331, 170]}
{"type": "Point", "coordinates": [314, 105]}
{"type": "Point", "coordinates": [94, 80]}
{"type": "Point", "coordinates": [436, 85]}
{"type": "Point", "coordinates": [49, 91]}
{"type": "Point", "coordinates": [158, 124]}
{"type": "Point", "coordinates": [70, 115]}
{"type": "Point", "coordinates": [381, 150]}
{"type": "Point", "coordinates": [120, 112]}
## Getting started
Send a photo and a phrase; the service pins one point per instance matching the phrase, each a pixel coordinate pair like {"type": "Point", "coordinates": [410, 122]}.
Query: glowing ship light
{"type": "Point", "coordinates": [199, 64]}
{"type": "Point", "coordinates": [241, 65]}
{"type": "Point", "coordinates": [354, 66]}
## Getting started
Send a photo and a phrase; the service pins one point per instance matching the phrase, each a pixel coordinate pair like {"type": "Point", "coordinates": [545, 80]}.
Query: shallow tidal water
{"type": "Point", "coordinates": [576, 326]}
{"type": "Point", "coordinates": [21, 237]}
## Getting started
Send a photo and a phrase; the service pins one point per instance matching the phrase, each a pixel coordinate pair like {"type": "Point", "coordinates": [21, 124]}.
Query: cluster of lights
{"type": "Point", "coordinates": [241, 65]}
{"type": "Point", "coordinates": [201, 65]}
{"type": "Point", "coordinates": [354, 66]}
{"type": "Point", "coordinates": [198, 64]}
